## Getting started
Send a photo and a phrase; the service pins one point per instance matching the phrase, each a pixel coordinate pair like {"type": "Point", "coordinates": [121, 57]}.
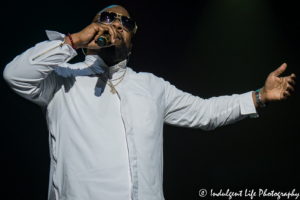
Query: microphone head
{"type": "Point", "coordinates": [102, 41]}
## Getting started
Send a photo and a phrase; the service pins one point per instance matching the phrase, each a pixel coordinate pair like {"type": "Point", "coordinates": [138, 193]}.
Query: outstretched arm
{"type": "Point", "coordinates": [183, 109]}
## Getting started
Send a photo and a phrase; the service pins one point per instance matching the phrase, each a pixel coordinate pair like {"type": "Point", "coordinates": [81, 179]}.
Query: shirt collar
{"type": "Point", "coordinates": [99, 66]}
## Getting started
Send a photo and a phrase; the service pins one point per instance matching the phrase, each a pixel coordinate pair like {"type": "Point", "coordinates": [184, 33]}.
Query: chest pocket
{"type": "Point", "coordinates": [143, 112]}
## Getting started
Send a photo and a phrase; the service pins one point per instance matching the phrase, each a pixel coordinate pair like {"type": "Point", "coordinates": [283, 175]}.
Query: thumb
{"type": "Point", "coordinates": [280, 70]}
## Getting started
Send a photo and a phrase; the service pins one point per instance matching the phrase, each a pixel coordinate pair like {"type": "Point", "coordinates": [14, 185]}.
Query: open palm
{"type": "Point", "coordinates": [278, 88]}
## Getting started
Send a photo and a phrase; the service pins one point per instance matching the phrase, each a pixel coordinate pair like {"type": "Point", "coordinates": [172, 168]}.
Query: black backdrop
{"type": "Point", "coordinates": [208, 48]}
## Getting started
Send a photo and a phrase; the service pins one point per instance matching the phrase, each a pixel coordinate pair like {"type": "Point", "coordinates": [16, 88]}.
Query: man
{"type": "Point", "coordinates": [106, 121]}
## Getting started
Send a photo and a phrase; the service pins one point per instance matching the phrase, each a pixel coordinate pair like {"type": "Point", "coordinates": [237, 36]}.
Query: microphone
{"type": "Point", "coordinates": [102, 41]}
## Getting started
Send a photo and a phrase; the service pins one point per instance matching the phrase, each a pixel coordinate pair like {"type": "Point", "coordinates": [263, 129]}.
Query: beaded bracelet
{"type": "Point", "coordinates": [73, 45]}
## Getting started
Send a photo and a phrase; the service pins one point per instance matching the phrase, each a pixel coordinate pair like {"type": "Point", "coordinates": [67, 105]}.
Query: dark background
{"type": "Point", "coordinates": [207, 48]}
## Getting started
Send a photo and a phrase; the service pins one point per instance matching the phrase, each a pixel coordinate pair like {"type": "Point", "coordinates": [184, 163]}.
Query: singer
{"type": "Point", "coordinates": [106, 121]}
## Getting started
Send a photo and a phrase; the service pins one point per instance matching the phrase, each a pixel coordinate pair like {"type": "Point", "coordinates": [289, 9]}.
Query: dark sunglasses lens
{"type": "Point", "coordinates": [128, 24]}
{"type": "Point", "coordinates": [107, 17]}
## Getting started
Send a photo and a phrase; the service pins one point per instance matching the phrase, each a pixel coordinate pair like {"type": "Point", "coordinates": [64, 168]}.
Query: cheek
{"type": "Point", "coordinates": [127, 40]}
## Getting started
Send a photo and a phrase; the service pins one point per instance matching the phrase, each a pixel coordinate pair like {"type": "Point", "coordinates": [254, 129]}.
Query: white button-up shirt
{"type": "Point", "coordinates": [104, 145]}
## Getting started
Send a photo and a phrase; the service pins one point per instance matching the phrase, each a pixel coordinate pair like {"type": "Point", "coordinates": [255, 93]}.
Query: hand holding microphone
{"type": "Point", "coordinates": [89, 36]}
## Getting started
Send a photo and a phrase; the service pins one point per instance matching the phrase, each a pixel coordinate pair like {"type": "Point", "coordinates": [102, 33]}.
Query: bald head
{"type": "Point", "coordinates": [116, 9]}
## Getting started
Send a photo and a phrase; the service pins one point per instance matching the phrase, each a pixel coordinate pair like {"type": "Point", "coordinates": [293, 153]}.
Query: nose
{"type": "Point", "coordinates": [117, 24]}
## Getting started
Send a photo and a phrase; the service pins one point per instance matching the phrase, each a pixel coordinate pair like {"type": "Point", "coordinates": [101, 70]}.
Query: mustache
{"type": "Point", "coordinates": [119, 35]}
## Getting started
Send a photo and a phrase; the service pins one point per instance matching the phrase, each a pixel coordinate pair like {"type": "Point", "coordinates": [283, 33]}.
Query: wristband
{"type": "Point", "coordinates": [258, 99]}
{"type": "Point", "coordinates": [73, 45]}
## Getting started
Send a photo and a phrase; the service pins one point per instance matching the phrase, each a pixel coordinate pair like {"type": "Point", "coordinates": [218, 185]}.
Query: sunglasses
{"type": "Point", "coordinates": [109, 17]}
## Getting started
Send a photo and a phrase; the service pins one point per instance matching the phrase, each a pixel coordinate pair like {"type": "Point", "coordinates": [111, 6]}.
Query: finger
{"type": "Point", "coordinates": [293, 76]}
{"type": "Point", "coordinates": [290, 88]}
{"type": "Point", "coordinates": [101, 30]}
{"type": "Point", "coordinates": [291, 81]}
{"type": "Point", "coordinates": [93, 44]}
{"type": "Point", "coordinates": [113, 34]}
{"type": "Point", "coordinates": [99, 34]}
{"type": "Point", "coordinates": [279, 70]}
{"type": "Point", "coordinates": [287, 94]}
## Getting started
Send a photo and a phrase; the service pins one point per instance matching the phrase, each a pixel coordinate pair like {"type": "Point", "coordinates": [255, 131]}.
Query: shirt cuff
{"type": "Point", "coordinates": [52, 52]}
{"type": "Point", "coordinates": [54, 35]}
{"type": "Point", "coordinates": [247, 105]}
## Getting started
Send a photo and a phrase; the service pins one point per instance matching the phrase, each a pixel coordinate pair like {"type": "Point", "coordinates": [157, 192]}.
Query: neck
{"type": "Point", "coordinates": [108, 62]}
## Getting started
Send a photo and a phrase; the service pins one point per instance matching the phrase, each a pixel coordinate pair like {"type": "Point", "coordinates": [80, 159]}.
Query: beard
{"type": "Point", "coordinates": [114, 53]}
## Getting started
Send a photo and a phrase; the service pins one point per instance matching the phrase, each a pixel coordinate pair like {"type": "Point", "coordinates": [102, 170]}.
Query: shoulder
{"type": "Point", "coordinates": [145, 77]}
{"type": "Point", "coordinates": [145, 83]}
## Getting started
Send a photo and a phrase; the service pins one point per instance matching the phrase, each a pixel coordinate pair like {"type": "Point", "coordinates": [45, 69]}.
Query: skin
{"type": "Point", "coordinates": [276, 88]}
{"type": "Point", "coordinates": [119, 38]}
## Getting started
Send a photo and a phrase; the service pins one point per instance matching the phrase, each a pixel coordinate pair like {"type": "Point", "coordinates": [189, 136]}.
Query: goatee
{"type": "Point", "coordinates": [114, 53]}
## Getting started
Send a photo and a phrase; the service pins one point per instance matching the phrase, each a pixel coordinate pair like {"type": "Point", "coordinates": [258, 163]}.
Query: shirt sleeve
{"type": "Point", "coordinates": [29, 74]}
{"type": "Point", "coordinates": [183, 109]}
